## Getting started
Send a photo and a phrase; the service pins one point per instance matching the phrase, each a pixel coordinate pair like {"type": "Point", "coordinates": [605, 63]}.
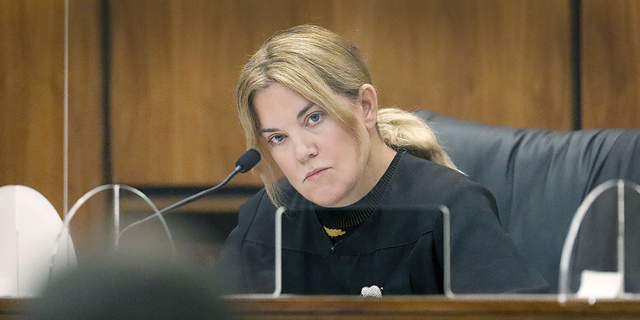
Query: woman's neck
{"type": "Point", "coordinates": [379, 159]}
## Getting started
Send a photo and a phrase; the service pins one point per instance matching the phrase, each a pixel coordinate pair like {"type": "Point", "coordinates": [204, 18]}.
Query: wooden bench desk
{"type": "Point", "coordinates": [405, 307]}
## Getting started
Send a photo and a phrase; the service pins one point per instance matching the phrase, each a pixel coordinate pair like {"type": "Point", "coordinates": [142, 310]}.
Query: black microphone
{"type": "Point", "coordinates": [248, 160]}
{"type": "Point", "coordinates": [245, 163]}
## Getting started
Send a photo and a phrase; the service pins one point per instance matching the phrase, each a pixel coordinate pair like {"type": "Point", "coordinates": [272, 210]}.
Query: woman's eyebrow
{"type": "Point", "coordinates": [265, 130]}
{"type": "Point", "coordinates": [304, 110]}
{"type": "Point", "coordinates": [300, 115]}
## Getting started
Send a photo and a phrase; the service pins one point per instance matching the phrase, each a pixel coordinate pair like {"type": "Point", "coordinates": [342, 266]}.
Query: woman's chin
{"type": "Point", "coordinates": [328, 201]}
{"type": "Point", "coordinates": [322, 199]}
{"type": "Point", "coordinates": [323, 202]}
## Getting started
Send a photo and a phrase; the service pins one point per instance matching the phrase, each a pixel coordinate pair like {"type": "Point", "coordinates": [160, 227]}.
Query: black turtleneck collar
{"type": "Point", "coordinates": [345, 218]}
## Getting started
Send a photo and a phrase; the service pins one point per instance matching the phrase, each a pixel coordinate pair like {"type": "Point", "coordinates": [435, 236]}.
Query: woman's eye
{"type": "Point", "coordinates": [276, 138]}
{"type": "Point", "coordinates": [315, 117]}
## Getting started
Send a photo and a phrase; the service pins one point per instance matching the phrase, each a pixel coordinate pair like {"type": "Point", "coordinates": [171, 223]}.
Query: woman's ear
{"type": "Point", "coordinates": [369, 103]}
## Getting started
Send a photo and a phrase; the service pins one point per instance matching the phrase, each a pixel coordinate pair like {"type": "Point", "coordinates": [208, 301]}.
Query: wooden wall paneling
{"type": "Point", "coordinates": [499, 62]}
{"type": "Point", "coordinates": [160, 121]}
{"type": "Point", "coordinates": [31, 92]}
{"type": "Point", "coordinates": [32, 102]}
{"type": "Point", "coordinates": [135, 88]}
{"type": "Point", "coordinates": [91, 226]}
{"type": "Point", "coordinates": [611, 63]}
{"type": "Point", "coordinates": [175, 65]}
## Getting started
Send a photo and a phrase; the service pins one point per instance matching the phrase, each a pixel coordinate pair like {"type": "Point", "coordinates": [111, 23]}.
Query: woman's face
{"type": "Point", "coordinates": [319, 157]}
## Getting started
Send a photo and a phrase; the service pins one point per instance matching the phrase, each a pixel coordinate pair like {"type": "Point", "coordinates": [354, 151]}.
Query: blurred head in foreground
{"type": "Point", "coordinates": [120, 288]}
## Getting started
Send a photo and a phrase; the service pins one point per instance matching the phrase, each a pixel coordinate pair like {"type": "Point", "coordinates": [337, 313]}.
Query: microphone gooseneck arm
{"type": "Point", "coordinates": [200, 194]}
{"type": "Point", "coordinates": [182, 203]}
{"type": "Point", "coordinates": [245, 163]}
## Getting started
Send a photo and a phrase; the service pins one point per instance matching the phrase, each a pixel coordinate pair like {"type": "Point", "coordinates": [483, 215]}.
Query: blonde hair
{"type": "Point", "coordinates": [400, 129]}
{"type": "Point", "coordinates": [318, 64]}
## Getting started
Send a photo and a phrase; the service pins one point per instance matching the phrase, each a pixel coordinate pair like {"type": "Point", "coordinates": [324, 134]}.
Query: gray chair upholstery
{"type": "Point", "coordinates": [539, 177]}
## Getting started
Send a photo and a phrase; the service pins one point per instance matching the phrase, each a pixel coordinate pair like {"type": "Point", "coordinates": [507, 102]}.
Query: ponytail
{"type": "Point", "coordinates": [400, 129]}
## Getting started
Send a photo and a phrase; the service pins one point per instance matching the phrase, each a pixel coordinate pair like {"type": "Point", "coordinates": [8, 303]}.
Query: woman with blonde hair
{"type": "Point", "coordinates": [351, 176]}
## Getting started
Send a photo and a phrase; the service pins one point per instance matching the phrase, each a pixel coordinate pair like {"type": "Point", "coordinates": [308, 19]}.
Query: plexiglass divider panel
{"type": "Point", "coordinates": [599, 258]}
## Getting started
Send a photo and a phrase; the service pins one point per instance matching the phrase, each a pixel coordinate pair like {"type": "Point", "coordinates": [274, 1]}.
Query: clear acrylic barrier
{"type": "Point", "coordinates": [482, 260]}
{"type": "Point", "coordinates": [256, 270]}
{"type": "Point", "coordinates": [301, 258]}
{"type": "Point", "coordinates": [102, 228]}
{"type": "Point", "coordinates": [600, 257]}
{"type": "Point", "coordinates": [398, 250]}
{"type": "Point", "coordinates": [118, 218]}
{"type": "Point", "coordinates": [461, 253]}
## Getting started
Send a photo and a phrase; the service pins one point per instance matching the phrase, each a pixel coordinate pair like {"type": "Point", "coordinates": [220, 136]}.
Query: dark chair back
{"type": "Point", "coordinates": [539, 177]}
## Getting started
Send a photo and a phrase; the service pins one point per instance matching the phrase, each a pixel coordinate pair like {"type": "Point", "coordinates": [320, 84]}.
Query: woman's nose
{"type": "Point", "coordinates": [305, 149]}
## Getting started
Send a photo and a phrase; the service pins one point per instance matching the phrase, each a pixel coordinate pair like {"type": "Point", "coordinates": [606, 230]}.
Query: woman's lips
{"type": "Point", "coordinates": [314, 173]}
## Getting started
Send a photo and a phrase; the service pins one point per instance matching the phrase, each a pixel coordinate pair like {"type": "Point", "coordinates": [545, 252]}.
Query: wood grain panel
{"type": "Point", "coordinates": [31, 66]}
{"type": "Point", "coordinates": [89, 228]}
{"type": "Point", "coordinates": [32, 105]}
{"type": "Point", "coordinates": [175, 65]}
{"type": "Point", "coordinates": [432, 307]}
{"type": "Point", "coordinates": [500, 62]}
{"type": "Point", "coordinates": [611, 63]}
{"type": "Point", "coordinates": [472, 307]}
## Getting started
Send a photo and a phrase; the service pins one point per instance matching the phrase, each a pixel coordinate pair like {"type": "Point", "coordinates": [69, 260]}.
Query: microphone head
{"type": "Point", "coordinates": [248, 160]}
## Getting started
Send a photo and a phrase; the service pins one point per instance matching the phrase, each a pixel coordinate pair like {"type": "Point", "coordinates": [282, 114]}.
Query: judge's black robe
{"type": "Point", "coordinates": [398, 248]}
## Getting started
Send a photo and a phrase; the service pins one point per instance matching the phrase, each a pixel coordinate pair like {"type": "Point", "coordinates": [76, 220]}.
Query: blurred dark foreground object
{"type": "Point", "coordinates": [118, 287]}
